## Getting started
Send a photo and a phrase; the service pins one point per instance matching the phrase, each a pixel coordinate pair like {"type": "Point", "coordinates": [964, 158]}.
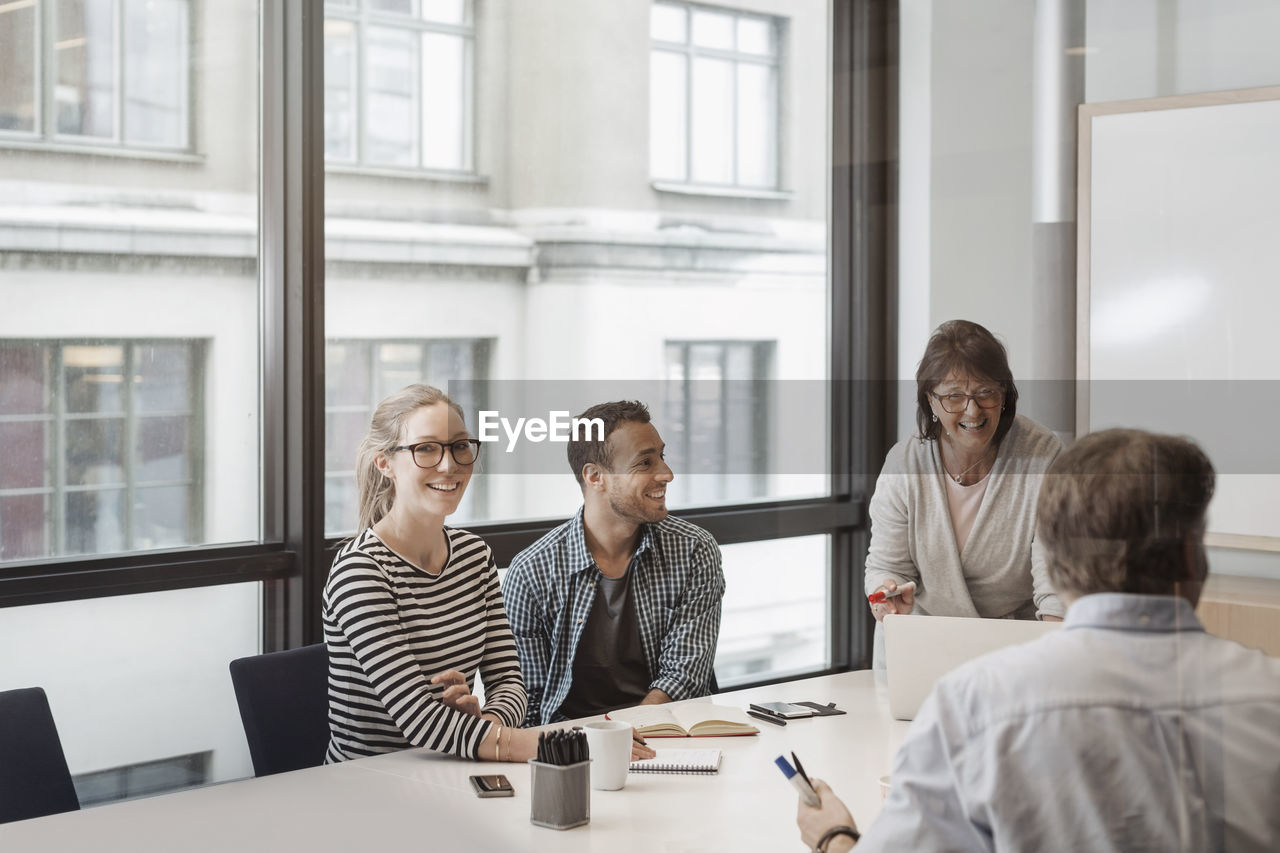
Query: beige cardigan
{"type": "Point", "coordinates": [1002, 571]}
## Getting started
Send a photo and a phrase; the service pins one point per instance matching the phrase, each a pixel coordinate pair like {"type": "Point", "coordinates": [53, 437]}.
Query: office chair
{"type": "Point", "coordinates": [284, 707]}
{"type": "Point", "coordinates": [34, 779]}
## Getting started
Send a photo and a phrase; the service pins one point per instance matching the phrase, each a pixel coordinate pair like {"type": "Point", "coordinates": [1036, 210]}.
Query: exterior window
{"type": "Point", "coordinates": [713, 99]}
{"type": "Point", "coordinates": [119, 71]}
{"type": "Point", "coordinates": [398, 83]}
{"type": "Point", "coordinates": [102, 453]}
{"type": "Point", "coordinates": [358, 375]}
{"type": "Point", "coordinates": [716, 420]}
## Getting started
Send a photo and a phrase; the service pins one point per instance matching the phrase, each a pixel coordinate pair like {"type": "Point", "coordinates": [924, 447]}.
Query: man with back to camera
{"type": "Point", "coordinates": [1130, 729]}
{"type": "Point", "coordinates": [620, 605]}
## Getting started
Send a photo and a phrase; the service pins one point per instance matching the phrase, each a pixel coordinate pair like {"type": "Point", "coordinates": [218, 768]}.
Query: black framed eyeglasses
{"type": "Point", "coordinates": [427, 454]}
{"type": "Point", "coordinates": [955, 402]}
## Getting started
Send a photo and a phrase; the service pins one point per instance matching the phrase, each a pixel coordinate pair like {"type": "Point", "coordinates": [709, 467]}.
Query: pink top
{"type": "Point", "coordinates": [963, 503]}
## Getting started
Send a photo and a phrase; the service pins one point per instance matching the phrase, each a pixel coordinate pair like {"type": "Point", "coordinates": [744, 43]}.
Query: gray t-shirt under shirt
{"type": "Point", "coordinates": [609, 669]}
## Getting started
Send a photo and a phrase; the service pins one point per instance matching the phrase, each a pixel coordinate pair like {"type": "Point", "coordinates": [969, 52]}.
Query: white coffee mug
{"type": "Point", "coordinates": [609, 742]}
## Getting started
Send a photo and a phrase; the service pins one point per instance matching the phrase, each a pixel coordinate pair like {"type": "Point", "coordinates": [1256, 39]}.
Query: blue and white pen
{"type": "Point", "coordinates": [806, 791]}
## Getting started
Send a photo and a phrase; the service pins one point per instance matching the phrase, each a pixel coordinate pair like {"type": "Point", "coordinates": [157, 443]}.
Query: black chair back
{"type": "Point", "coordinates": [34, 779]}
{"type": "Point", "coordinates": [284, 707]}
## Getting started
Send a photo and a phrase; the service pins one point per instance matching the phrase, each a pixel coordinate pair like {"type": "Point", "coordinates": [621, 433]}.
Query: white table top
{"type": "Point", "coordinates": [416, 800]}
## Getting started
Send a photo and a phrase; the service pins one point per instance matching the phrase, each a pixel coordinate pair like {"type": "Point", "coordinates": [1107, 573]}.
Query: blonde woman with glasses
{"type": "Point", "coordinates": [412, 609]}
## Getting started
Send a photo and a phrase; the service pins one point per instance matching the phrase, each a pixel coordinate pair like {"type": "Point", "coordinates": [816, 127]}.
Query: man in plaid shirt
{"type": "Point", "coordinates": [620, 605]}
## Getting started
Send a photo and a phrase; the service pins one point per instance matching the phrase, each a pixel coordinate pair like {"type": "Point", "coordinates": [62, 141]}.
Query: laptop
{"type": "Point", "coordinates": [921, 649]}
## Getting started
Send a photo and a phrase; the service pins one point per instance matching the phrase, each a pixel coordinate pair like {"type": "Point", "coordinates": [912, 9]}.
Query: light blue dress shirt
{"type": "Point", "coordinates": [1130, 730]}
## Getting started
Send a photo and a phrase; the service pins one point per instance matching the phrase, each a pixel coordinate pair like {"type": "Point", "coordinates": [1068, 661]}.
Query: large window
{"type": "Point", "coordinates": [358, 375]}
{"type": "Point", "coordinates": [118, 71]}
{"type": "Point", "coordinates": [102, 446]}
{"type": "Point", "coordinates": [227, 229]}
{"type": "Point", "coordinates": [135, 462]}
{"type": "Point", "coordinates": [719, 405]}
{"type": "Point", "coordinates": [398, 83]}
{"type": "Point", "coordinates": [713, 96]}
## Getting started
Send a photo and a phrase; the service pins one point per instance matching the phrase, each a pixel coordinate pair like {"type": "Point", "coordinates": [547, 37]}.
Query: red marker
{"type": "Point", "coordinates": [880, 595]}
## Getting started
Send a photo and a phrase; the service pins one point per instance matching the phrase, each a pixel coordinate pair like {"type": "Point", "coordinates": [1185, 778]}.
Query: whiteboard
{"type": "Point", "coordinates": [1178, 290]}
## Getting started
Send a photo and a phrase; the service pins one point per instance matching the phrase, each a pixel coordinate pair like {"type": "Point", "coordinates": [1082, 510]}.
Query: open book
{"type": "Point", "coordinates": [692, 719]}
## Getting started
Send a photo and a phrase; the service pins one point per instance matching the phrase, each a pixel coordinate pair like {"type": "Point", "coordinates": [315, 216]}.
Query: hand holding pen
{"type": "Point", "coordinates": [892, 597]}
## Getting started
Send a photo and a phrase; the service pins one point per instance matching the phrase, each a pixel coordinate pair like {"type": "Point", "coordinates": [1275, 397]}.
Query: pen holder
{"type": "Point", "coordinates": [561, 794]}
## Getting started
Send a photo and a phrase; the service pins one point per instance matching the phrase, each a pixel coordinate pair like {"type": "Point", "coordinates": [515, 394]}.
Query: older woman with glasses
{"type": "Point", "coordinates": [412, 608]}
{"type": "Point", "coordinates": [954, 507]}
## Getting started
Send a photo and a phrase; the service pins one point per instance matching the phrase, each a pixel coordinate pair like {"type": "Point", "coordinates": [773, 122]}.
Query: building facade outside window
{"type": "Point", "coordinates": [719, 400]}
{"type": "Point", "coordinates": [118, 71]}
{"type": "Point", "coordinates": [399, 84]}
{"type": "Point", "coordinates": [102, 448]}
{"type": "Point", "coordinates": [359, 374]}
{"type": "Point", "coordinates": [713, 96]}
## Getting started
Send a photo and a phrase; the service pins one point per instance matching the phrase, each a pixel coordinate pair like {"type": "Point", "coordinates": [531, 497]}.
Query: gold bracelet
{"type": "Point", "coordinates": [497, 744]}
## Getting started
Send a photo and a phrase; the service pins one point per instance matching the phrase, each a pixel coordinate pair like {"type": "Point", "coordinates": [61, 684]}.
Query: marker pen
{"type": "Point", "coordinates": [806, 791]}
{"type": "Point", "coordinates": [880, 595]}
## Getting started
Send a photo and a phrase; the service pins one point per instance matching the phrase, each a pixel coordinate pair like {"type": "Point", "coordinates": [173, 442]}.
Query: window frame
{"type": "Point", "coordinates": [293, 555]}
{"type": "Point", "coordinates": [59, 418]}
{"type": "Point", "coordinates": [362, 17]}
{"type": "Point", "coordinates": [691, 52]}
{"type": "Point", "coordinates": [45, 134]}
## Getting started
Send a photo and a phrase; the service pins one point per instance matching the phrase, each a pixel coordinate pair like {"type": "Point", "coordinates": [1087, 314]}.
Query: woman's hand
{"type": "Point", "coordinates": [456, 693]}
{"type": "Point", "coordinates": [904, 603]}
{"type": "Point", "coordinates": [813, 822]}
{"type": "Point", "coordinates": [639, 749]}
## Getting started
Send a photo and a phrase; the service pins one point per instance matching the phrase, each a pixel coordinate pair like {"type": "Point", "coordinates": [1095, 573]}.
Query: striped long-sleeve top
{"type": "Point", "coordinates": [390, 627]}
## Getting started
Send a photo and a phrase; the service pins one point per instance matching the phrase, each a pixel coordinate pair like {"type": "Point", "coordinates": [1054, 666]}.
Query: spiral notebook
{"type": "Point", "coordinates": [679, 761]}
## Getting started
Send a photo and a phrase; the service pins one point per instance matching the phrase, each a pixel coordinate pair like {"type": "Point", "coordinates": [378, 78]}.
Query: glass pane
{"type": "Point", "coordinates": [95, 452]}
{"type": "Point", "coordinates": [346, 374]}
{"type": "Point", "coordinates": [163, 377]}
{"type": "Point", "coordinates": [24, 462]}
{"type": "Point", "coordinates": [757, 109]}
{"type": "Point", "coordinates": [95, 521]}
{"type": "Point", "coordinates": [445, 11]}
{"type": "Point", "coordinates": [85, 53]}
{"type": "Point", "coordinates": [341, 509]}
{"type": "Point", "coordinates": [343, 431]}
{"type": "Point", "coordinates": [161, 517]}
{"type": "Point", "coordinates": [712, 29]}
{"type": "Point", "coordinates": [392, 70]}
{"type": "Point", "coordinates": [773, 624]}
{"type": "Point", "coordinates": [26, 370]}
{"type": "Point", "coordinates": [668, 128]}
{"type": "Point", "coordinates": [668, 23]}
{"type": "Point", "coordinates": [135, 679]}
{"type": "Point", "coordinates": [132, 343]}
{"type": "Point", "coordinates": [163, 450]}
{"type": "Point", "coordinates": [755, 35]}
{"type": "Point", "coordinates": [22, 526]}
{"type": "Point", "coordinates": [94, 378]}
{"type": "Point", "coordinates": [561, 277]}
{"type": "Point", "coordinates": [393, 7]}
{"type": "Point", "coordinates": [713, 132]}
{"type": "Point", "coordinates": [339, 90]}
{"type": "Point", "coordinates": [155, 72]}
{"type": "Point", "coordinates": [18, 69]}
{"type": "Point", "coordinates": [444, 107]}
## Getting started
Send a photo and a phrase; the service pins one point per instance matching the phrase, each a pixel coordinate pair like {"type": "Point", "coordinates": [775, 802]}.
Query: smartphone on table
{"type": "Point", "coordinates": [492, 785]}
{"type": "Point", "coordinates": [785, 710]}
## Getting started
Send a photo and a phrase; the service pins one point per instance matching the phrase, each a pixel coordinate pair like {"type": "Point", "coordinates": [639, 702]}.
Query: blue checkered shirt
{"type": "Point", "coordinates": [676, 586]}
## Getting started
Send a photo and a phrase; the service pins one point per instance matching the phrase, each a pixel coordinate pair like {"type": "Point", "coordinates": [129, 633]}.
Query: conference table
{"type": "Point", "coordinates": [422, 801]}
